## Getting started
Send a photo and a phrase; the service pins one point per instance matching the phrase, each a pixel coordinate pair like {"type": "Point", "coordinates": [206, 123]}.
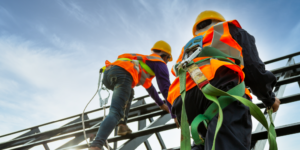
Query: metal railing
{"type": "Point", "coordinates": [141, 111]}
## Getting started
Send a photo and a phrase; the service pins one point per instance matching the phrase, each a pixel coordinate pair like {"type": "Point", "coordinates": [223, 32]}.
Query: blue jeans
{"type": "Point", "coordinates": [118, 80]}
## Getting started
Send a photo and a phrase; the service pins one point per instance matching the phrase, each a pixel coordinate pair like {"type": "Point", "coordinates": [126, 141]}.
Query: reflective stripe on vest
{"type": "Point", "coordinates": [148, 73]}
{"type": "Point", "coordinates": [218, 36]}
{"type": "Point", "coordinates": [143, 74]}
{"type": "Point", "coordinates": [223, 41]}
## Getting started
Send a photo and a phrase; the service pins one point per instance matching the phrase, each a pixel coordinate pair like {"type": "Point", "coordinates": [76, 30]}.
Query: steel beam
{"type": "Point", "coordinates": [31, 132]}
{"type": "Point", "coordinates": [148, 107]}
{"type": "Point", "coordinates": [77, 115]}
{"type": "Point", "coordinates": [288, 80]}
{"type": "Point", "coordinates": [142, 125]}
{"type": "Point", "coordinates": [284, 100]}
{"type": "Point", "coordinates": [286, 68]}
{"type": "Point", "coordinates": [280, 131]}
{"type": "Point", "coordinates": [137, 134]}
{"type": "Point", "coordinates": [279, 91]}
{"type": "Point", "coordinates": [135, 142]}
{"type": "Point", "coordinates": [81, 138]}
{"type": "Point", "coordinates": [140, 111]}
{"type": "Point", "coordinates": [281, 58]}
{"type": "Point", "coordinates": [159, 138]}
{"type": "Point", "coordinates": [72, 142]}
{"type": "Point", "coordinates": [174, 148]}
{"type": "Point", "coordinates": [94, 130]}
{"type": "Point", "coordinates": [78, 126]}
{"type": "Point", "coordinates": [115, 143]}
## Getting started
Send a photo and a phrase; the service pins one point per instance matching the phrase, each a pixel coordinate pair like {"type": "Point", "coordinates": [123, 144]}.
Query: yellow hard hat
{"type": "Point", "coordinates": [163, 46]}
{"type": "Point", "coordinates": [205, 15]}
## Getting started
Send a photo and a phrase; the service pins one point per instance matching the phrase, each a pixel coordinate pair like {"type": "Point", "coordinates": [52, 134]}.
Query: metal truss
{"type": "Point", "coordinates": [140, 112]}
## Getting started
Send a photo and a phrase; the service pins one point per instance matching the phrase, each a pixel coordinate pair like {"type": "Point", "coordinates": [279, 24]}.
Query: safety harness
{"type": "Point", "coordinates": [220, 98]}
{"type": "Point", "coordinates": [135, 65]}
{"type": "Point", "coordinates": [142, 64]}
{"type": "Point", "coordinates": [138, 64]}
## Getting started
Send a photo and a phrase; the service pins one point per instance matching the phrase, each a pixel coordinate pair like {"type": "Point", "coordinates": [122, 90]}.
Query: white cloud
{"type": "Point", "coordinates": [44, 83]}
{"type": "Point", "coordinates": [292, 40]}
{"type": "Point", "coordinates": [8, 85]}
{"type": "Point", "coordinates": [57, 84]}
{"type": "Point", "coordinates": [5, 14]}
{"type": "Point", "coordinates": [76, 11]}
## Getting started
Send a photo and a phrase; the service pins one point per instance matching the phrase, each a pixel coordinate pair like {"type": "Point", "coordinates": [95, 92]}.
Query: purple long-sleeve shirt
{"type": "Point", "coordinates": [162, 77]}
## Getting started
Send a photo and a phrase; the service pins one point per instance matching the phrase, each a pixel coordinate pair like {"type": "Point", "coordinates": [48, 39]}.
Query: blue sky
{"type": "Point", "coordinates": [51, 51]}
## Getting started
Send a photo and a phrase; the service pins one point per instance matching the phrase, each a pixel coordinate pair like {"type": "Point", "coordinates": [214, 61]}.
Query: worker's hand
{"type": "Point", "coordinates": [164, 107]}
{"type": "Point", "coordinates": [276, 104]}
{"type": "Point", "coordinates": [177, 124]}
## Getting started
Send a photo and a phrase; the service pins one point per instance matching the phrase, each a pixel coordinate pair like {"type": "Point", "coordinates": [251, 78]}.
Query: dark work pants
{"type": "Point", "coordinates": [120, 81]}
{"type": "Point", "coordinates": [235, 132]}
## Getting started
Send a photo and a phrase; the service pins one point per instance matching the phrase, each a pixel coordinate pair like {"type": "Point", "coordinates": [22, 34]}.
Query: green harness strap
{"type": "Point", "coordinates": [214, 52]}
{"type": "Point", "coordinates": [185, 141]}
{"type": "Point", "coordinates": [211, 93]}
{"type": "Point", "coordinates": [143, 65]}
{"type": "Point", "coordinates": [203, 60]}
{"type": "Point", "coordinates": [212, 110]}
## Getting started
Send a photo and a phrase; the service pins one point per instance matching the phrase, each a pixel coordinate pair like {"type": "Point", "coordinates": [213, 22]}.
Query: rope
{"type": "Point", "coordinates": [102, 104]}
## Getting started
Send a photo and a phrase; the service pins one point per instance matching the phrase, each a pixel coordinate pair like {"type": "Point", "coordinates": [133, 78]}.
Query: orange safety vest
{"type": "Point", "coordinates": [218, 36]}
{"type": "Point", "coordinates": [139, 75]}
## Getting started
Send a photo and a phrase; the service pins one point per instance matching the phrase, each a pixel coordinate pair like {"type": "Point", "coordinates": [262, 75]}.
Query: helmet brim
{"type": "Point", "coordinates": [171, 59]}
{"type": "Point", "coordinates": [213, 18]}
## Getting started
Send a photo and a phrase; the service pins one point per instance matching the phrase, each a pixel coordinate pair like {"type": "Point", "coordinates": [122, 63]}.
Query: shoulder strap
{"type": "Point", "coordinates": [143, 65]}
{"type": "Point", "coordinates": [147, 68]}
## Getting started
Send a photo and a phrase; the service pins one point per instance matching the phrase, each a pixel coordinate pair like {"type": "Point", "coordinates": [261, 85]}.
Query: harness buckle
{"type": "Point", "coordinates": [186, 61]}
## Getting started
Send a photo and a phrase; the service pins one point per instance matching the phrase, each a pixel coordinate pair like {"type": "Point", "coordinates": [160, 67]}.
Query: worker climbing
{"type": "Point", "coordinates": [121, 76]}
{"type": "Point", "coordinates": [209, 92]}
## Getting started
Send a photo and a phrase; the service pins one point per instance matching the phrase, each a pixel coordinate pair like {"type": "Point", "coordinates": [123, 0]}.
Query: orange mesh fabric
{"type": "Point", "coordinates": [129, 67]}
{"type": "Point", "coordinates": [210, 69]}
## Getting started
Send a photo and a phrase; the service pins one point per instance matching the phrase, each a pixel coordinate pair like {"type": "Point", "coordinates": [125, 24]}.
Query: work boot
{"type": "Point", "coordinates": [123, 130]}
{"type": "Point", "coordinates": [95, 148]}
{"type": "Point", "coordinates": [164, 107]}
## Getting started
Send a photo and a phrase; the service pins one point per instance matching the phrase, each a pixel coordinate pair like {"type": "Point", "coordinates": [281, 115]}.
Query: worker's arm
{"type": "Point", "coordinates": [260, 80]}
{"type": "Point", "coordinates": [154, 95]}
{"type": "Point", "coordinates": [162, 77]}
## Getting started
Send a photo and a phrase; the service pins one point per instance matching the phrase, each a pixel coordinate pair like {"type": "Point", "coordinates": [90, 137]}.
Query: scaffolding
{"type": "Point", "coordinates": [141, 111]}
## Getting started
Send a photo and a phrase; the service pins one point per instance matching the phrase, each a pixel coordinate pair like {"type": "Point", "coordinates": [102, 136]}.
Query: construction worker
{"type": "Point", "coordinates": [128, 71]}
{"type": "Point", "coordinates": [226, 57]}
